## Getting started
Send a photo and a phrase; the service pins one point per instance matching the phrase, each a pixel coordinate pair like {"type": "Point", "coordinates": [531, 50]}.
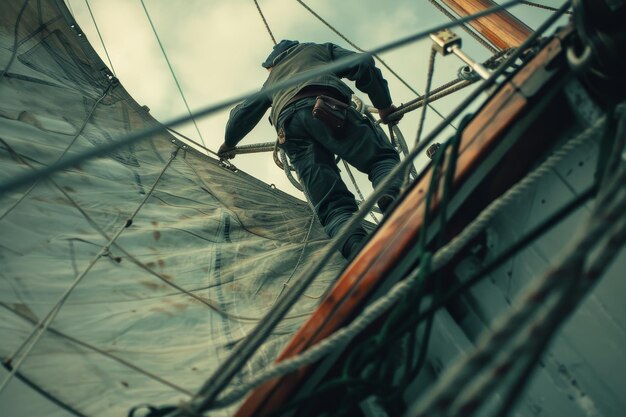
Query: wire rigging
{"type": "Point", "coordinates": [429, 80]}
{"type": "Point", "coordinates": [542, 6]}
{"type": "Point", "coordinates": [180, 90]}
{"type": "Point", "coordinates": [383, 63]}
{"type": "Point", "coordinates": [100, 36]}
{"type": "Point", "coordinates": [466, 28]}
{"type": "Point", "coordinates": [36, 334]}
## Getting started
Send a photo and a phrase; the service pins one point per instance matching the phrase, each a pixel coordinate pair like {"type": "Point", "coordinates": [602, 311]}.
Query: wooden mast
{"type": "Point", "coordinates": [502, 29]}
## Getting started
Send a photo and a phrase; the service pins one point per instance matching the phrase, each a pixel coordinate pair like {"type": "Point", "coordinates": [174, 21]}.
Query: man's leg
{"type": "Point", "coordinates": [320, 177]}
{"type": "Point", "coordinates": [365, 146]}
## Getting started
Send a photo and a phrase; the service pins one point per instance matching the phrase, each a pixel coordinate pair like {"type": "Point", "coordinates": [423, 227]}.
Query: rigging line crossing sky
{"type": "Point", "coordinates": [100, 36]}
{"type": "Point", "coordinates": [136, 136]}
{"type": "Point", "coordinates": [478, 37]}
{"type": "Point", "coordinates": [222, 376]}
{"type": "Point", "coordinates": [383, 63]}
{"type": "Point", "coordinates": [169, 65]}
{"type": "Point", "coordinates": [31, 340]}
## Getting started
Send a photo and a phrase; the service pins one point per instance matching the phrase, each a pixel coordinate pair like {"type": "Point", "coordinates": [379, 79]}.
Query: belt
{"type": "Point", "coordinates": [314, 92]}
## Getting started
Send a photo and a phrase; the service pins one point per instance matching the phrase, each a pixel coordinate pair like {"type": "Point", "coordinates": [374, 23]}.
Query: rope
{"type": "Point", "coordinates": [466, 28]}
{"type": "Point", "coordinates": [100, 36]}
{"type": "Point", "coordinates": [254, 148]}
{"type": "Point", "coordinates": [447, 394]}
{"type": "Point", "coordinates": [449, 87]}
{"type": "Point", "coordinates": [541, 6]}
{"type": "Point", "coordinates": [15, 35]}
{"type": "Point", "coordinates": [429, 80]}
{"type": "Point", "coordinates": [383, 63]}
{"type": "Point", "coordinates": [102, 352]}
{"type": "Point", "coordinates": [45, 322]}
{"type": "Point", "coordinates": [569, 278]}
{"type": "Point", "coordinates": [399, 290]}
{"type": "Point", "coordinates": [242, 352]}
{"type": "Point", "coordinates": [267, 26]}
{"type": "Point", "coordinates": [295, 268]}
{"type": "Point", "coordinates": [356, 187]}
{"type": "Point", "coordinates": [67, 148]}
{"type": "Point", "coordinates": [169, 65]}
{"type": "Point", "coordinates": [287, 169]}
{"type": "Point", "coordinates": [396, 135]}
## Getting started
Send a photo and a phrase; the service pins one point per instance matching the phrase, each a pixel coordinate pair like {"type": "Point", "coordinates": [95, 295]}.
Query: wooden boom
{"type": "Point", "coordinates": [502, 29]}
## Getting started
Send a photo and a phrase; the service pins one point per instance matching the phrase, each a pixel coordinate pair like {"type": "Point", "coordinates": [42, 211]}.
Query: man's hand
{"type": "Point", "coordinates": [384, 115]}
{"type": "Point", "coordinates": [225, 152]}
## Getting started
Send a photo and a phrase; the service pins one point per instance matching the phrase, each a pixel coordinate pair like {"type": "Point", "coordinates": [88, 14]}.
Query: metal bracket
{"type": "Point", "coordinates": [447, 42]}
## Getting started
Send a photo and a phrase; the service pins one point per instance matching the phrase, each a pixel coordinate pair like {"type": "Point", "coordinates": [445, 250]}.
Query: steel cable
{"type": "Point", "coordinates": [383, 63]}
{"type": "Point", "coordinates": [331, 67]}
{"type": "Point", "coordinates": [169, 65]}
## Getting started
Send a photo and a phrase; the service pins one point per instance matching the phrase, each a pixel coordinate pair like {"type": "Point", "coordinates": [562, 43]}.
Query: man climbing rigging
{"type": "Point", "coordinates": [314, 123]}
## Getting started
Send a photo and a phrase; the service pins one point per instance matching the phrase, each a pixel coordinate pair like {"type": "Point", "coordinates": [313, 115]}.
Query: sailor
{"type": "Point", "coordinates": [311, 142]}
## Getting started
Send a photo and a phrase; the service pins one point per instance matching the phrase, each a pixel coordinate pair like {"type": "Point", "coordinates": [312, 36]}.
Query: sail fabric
{"type": "Point", "coordinates": [174, 256]}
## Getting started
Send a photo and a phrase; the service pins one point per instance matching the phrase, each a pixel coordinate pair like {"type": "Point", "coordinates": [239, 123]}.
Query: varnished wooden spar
{"type": "Point", "coordinates": [502, 29]}
{"type": "Point", "coordinates": [399, 232]}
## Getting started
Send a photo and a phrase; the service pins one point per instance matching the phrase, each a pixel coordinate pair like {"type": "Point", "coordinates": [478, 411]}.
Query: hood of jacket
{"type": "Point", "coordinates": [279, 51]}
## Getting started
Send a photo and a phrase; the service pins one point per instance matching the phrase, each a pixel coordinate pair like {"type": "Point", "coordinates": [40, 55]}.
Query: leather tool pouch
{"type": "Point", "coordinates": [330, 111]}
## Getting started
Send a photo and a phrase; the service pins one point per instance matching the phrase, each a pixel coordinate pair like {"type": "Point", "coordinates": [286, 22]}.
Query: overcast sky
{"type": "Point", "coordinates": [216, 47]}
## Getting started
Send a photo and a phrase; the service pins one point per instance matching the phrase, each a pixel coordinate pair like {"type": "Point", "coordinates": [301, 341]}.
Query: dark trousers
{"type": "Point", "coordinates": [311, 147]}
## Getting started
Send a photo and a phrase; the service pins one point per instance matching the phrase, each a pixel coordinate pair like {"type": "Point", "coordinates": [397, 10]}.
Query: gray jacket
{"type": "Point", "coordinates": [295, 61]}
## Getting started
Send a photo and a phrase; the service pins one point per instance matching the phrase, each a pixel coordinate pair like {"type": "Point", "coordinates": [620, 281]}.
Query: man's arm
{"type": "Point", "coordinates": [243, 118]}
{"type": "Point", "coordinates": [367, 78]}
